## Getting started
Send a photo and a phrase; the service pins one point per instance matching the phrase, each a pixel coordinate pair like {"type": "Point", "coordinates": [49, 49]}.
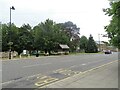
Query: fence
{"type": "Point", "coordinates": [6, 54]}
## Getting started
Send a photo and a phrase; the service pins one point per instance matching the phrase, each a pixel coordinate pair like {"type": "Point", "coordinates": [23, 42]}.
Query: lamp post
{"type": "Point", "coordinates": [99, 42]}
{"type": "Point", "coordinates": [10, 43]}
{"type": "Point", "coordinates": [103, 35]}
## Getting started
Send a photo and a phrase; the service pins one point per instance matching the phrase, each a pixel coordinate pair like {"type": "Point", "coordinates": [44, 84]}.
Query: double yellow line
{"type": "Point", "coordinates": [85, 71]}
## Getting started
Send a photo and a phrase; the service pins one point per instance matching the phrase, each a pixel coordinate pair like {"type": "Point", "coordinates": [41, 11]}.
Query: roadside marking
{"type": "Point", "coordinates": [45, 80]}
{"type": "Point", "coordinates": [56, 79]}
{"type": "Point", "coordinates": [100, 66]}
{"type": "Point", "coordinates": [81, 73]}
{"type": "Point", "coordinates": [7, 82]}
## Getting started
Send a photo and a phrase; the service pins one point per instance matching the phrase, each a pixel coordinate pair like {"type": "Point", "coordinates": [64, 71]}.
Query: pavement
{"type": "Point", "coordinates": [104, 76]}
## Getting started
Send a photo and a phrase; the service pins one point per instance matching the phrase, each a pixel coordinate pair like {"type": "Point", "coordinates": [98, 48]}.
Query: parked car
{"type": "Point", "coordinates": [108, 52]}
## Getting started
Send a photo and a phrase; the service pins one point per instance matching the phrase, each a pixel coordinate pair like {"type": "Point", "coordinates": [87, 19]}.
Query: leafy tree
{"type": "Point", "coordinates": [83, 43]}
{"type": "Point", "coordinates": [24, 39]}
{"type": "Point", "coordinates": [5, 39]}
{"type": "Point", "coordinates": [37, 34]}
{"type": "Point", "coordinates": [45, 36]}
{"type": "Point", "coordinates": [72, 31]}
{"type": "Point", "coordinates": [0, 37]}
{"type": "Point", "coordinates": [91, 46]}
{"type": "Point", "coordinates": [48, 35]}
{"type": "Point", "coordinates": [7, 34]}
{"type": "Point", "coordinates": [113, 29]}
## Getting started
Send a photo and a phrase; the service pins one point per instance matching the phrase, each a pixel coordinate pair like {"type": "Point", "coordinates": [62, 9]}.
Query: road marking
{"type": "Point", "coordinates": [81, 73]}
{"type": "Point", "coordinates": [100, 66]}
{"type": "Point", "coordinates": [35, 65]}
{"type": "Point", "coordinates": [66, 72]}
{"type": "Point", "coordinates": [83, 64]}
{"type": "Point", "coordinates": [45, 80]}
{"type": "Point", "coordinates": [77, 65]}
{"type": "Point", "coordinates": [7, 82]}
{"type": "Point", "coordinates": [26, 78]}
{"type": "Point", "coordinates": [61, 70]}
{"type": "Point", "coordinates": [34, 75]}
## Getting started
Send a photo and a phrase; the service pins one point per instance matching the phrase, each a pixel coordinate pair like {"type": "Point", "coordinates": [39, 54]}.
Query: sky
{"type": "Point", "coordinates": [86, 14]}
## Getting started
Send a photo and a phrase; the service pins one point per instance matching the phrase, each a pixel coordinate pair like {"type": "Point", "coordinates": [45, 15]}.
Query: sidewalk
{"type": "Point", "coordinates": [17, 58]}
{"type": "Point", "coordinates": [105, 76]}
{"type": "Point", "coordinates": [26, 58]}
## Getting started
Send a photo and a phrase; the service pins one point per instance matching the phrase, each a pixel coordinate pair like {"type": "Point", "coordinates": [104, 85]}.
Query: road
{"type": "Point", "coordinates": [57, 67]}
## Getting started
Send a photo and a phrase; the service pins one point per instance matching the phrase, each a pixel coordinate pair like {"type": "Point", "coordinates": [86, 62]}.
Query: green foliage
{"type": "Point", "coordinates": [46, 36]}
{"type": "Point", "coordinates": [83, 43]}
{"type": "Point", "coordinates": [72, 31]}
{"type": "Point", "coordinates": [91, 46]}
{"type": "Point", "coordinates": [25, 39]}
{"type": "Point", "coordinates": [113, 29]}
{"type": "Point", "coordinates": [6, 36]}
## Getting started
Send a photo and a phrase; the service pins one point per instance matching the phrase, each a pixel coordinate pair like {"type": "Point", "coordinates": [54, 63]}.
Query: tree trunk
{"type": "Point", "coordinates": [19, 53]}
{"type": "Point", "coordinates": [45, 51]}
{"type": "Point", "coordinates": [30, 52]}
{"type": "Point", "coordinates": [49, 52]}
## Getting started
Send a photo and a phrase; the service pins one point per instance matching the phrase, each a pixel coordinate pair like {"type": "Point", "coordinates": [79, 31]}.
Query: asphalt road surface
{"type": "Point", "coordinates": [24, 73]}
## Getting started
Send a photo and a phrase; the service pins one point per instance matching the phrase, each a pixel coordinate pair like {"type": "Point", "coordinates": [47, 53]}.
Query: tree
{"type": "Point", "coordinates": [47, 36]}
{"type": "Point", "coordinates": [24, 39]}
{"type": "Point", "coordinates": [113, 29]}
{"type": "Point", "coordinates": [5, 39]}
{"type": "Point", "coordinates": [72, 31]}
{"type": "Point", "coordinates": [83, 43]}
{"type": "Point", "coordinates": [91, 46]}
{"type": "Point", "coordinates": [7, 34]}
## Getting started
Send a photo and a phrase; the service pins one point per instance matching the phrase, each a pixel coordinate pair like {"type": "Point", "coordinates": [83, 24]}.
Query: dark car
{"type": "Point", "coordinates": [108, 52]}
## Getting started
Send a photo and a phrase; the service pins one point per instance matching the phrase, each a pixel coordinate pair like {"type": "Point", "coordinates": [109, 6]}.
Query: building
{"type": "Point", "coordinates": [63, 49]}
{"type": "Point", "coordinates": [102, 45]}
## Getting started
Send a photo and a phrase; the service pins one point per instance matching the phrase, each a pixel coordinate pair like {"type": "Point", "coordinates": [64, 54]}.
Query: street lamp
{"type": "Point", "coordinates": [99, 41]}
{"type": "Point", "coordinates": [103, 35]}
{"type": "Point", "coordinates": [10, 43]}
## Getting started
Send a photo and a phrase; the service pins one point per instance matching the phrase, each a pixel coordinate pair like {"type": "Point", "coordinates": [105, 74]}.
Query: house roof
{"type": "Point", "coordinates": [64, 46]}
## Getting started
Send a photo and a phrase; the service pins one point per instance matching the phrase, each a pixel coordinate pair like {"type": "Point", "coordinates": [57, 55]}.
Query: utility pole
{"type": "Point", "coordinates": [10, 42]}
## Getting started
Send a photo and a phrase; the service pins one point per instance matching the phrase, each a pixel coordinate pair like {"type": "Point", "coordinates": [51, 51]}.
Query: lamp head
{"type": "Point", "coordinates": [12, 8]}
